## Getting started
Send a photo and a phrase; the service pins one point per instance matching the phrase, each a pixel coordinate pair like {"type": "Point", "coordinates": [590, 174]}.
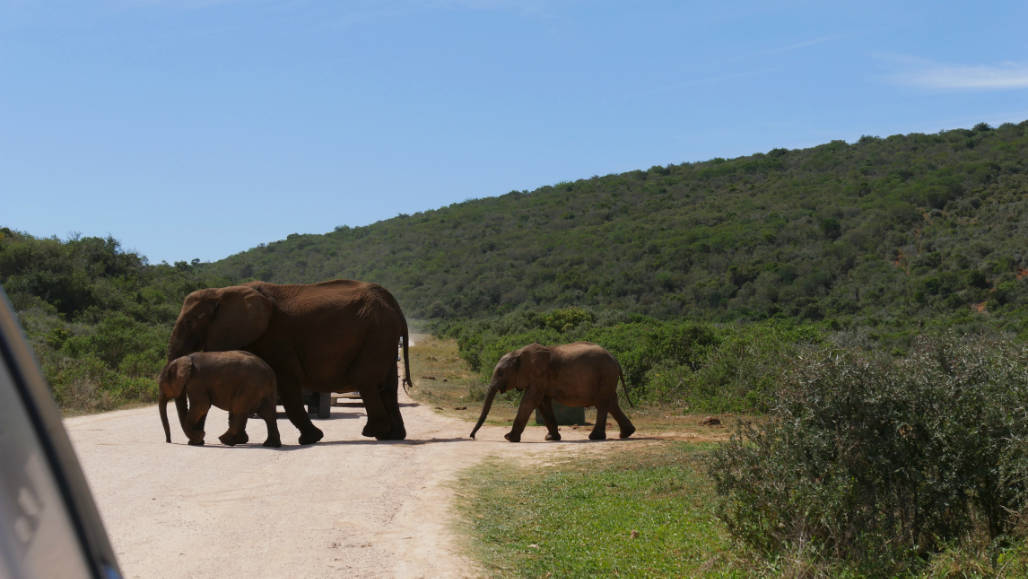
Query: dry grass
{"type": "Point", "coordinates": [444, 382]}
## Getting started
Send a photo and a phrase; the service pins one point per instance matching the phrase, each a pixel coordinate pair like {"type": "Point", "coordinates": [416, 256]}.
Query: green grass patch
{"type": "Point", "coordinates": [641, 510]}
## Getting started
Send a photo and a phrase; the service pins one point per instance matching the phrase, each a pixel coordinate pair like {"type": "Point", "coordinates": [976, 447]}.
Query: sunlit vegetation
{"type": "Point", "coordinates": [880, 237]}
{"type": "Point", "coordinates": [888, 466]}
{"type": "Point", "coordinates": [869, 300]}
{"type": "Point", "coordinates": [98, 317]}
{"type": "Point", "coordinates": [638, 512]}
{"type": "Point", "coordinates": [689, 366]}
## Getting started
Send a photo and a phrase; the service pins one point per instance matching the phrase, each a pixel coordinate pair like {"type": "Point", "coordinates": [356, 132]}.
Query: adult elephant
{"type": "Point", "coordinates": [578, 374]}
{"type": "Point", "coordinates": [333, 336]}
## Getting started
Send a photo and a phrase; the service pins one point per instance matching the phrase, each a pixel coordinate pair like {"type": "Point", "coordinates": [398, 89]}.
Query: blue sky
{"type": "Point", "coordinates": [200, 128]}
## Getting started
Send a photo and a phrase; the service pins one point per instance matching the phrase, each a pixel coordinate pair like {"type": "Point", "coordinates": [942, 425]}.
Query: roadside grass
{"type": "Point", "coordinates": [644, 510]}
{"type": "Point", "coordinates": [647, 508]}
{"type": "Point", "coordinates": [444, 382]}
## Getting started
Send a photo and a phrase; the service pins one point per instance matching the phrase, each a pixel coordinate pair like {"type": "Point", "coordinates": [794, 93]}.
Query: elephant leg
{"type": "Point", "coordinates": [267, 412]}
{"type": "Point", "coordinates": [292, 399]}
{"type": "Point", "coordinates": [203, 419]}
{"type": "Point", "coordinates": [390, 399]}
{"type": "Point", "coordinates": [195, 418]}
{"type": "Point", "coordinates": [626, 426]}
{"type": "Point", "coordinates": [236, 433]}
{"type": "Point", "coordinates": [378, 418]}
{"type": "Point", "coordinates": [529, 402]}
{"type": "Point", "coordinates": [600, 428]}
{"type": "Point", "coordinates": [546, 408]}
{"type": "Point", "coordinates": [370, 372]}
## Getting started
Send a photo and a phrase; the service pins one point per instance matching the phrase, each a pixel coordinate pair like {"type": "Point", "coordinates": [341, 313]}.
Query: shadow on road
{"type": "Point", "coordinates": [366, 442]}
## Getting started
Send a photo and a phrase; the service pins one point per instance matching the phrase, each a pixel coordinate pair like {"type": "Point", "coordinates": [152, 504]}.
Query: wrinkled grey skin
{"type": "Point", "coordinates": [578, 374]}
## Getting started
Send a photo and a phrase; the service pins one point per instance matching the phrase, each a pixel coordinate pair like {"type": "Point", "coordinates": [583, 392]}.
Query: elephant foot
{"type": "Point", "coordinates": [597, 435]}
{"type": "Point", "coordinates": [272, 443]}
{"type": "Point", "coordinates": [627, 433]}
{"type": "Point", "coordinates": [552, 436]}
{"type": "Point", "coordinates": [311, 436]}
{"type": "Point", "coordinates": [229, 440]}
{"type": "Point", "coordinates": [512, 437]}
{"type": "Point", "coordinates": [195, 443]}
{"type": "Point", "coordinates": [372, 433]}
{"type": "Point", "coordinates": [394, 432]}
{"type": "Point", "coordinates": [393, 435]}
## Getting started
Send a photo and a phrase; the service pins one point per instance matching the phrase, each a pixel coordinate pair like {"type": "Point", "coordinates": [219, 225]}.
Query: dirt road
{"type": "Point", "coordinates": [345, 507]}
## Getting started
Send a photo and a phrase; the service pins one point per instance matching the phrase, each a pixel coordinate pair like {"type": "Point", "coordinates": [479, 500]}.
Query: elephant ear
{"type": "Point", "coordinates": [175, 375]}
{"type": "Point", "coordinates": [241, 318]}
{"type": "Point", "coordinates": [535, 364]}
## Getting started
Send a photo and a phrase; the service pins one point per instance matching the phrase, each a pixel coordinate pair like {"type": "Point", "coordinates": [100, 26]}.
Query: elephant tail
{"type": "Point", "coordinates": [407, 383]}
{"type": "Point", "coordinates": [394, 305]}
{"type": "Point", "coordinates": [624, 385]}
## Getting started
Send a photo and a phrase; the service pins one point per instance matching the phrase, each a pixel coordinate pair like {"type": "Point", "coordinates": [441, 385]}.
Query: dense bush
{"type": "Point", "coordinates": [740, 373]}
{"type": "Point", "coordinates": [695, 366]}
{"type": "Point", "coordinates": [97, 317]}
{"type": "Point", "coordinates": [878, 462]}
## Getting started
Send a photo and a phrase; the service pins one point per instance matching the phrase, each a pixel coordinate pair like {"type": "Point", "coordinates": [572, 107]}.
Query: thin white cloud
{"type": "Point", "coordinates": [802, 44]}
{"type": "Point", "coordinates": [937, 76]}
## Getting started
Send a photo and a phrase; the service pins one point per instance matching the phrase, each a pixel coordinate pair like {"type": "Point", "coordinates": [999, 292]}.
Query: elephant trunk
{"type": "Point", "coordinates": [184, 341]}
{"type": "Point", "coordinates": [177, 344]}
{"type": "Point", "coordinates": [493, 388]}
{"type": "Point", "coordinates": [180, 406]}
{"type": "Point", "coordinates": [162, 406]}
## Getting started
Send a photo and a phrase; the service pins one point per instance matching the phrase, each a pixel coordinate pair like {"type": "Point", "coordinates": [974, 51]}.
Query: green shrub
{"type": "Point", "coordinates": [97, 317]}
{"type": "Point", "coordinates": [880, 462]}
{"type": "Point", "coordinates": [740, 373]}
{"type": "Point", "coordinates": [696, 366]}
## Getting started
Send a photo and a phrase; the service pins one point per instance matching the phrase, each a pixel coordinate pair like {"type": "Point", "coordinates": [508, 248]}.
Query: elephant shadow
{"type": "Point", "coordinates": [407, 442]}
{"type": "Point", "coordinates": [360, 442]}
{"type": "Point", "coordinates": [434, 440]}
{"type": "Point", "coordinates": [336, 414]}
{"type": "Point", "coordinates": [340, 416]}
{"type": "Point", "coordinates": [359, 404]}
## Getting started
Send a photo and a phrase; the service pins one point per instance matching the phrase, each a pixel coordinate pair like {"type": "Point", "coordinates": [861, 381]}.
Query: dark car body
{"type": "Point", "coordinates": [49, 524]}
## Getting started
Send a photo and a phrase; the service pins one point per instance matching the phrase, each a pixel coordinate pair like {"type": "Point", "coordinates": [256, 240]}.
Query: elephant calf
{"type": "Point", "coordinates": [236, 381]}
{"type": "Point", "coordinates": [578, 374]}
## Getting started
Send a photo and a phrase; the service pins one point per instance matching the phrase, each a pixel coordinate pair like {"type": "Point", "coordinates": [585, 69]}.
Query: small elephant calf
{"type": "Point", "coordinates": [236, 381]}
{"type": "Point", "coordinates": [578, 374]}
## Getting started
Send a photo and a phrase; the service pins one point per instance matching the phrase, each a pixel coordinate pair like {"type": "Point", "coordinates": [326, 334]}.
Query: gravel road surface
{"type": "Point", "coordinates": [347, 506]}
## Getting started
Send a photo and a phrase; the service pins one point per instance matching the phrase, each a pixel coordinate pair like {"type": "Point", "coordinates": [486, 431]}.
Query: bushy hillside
{"type": "Point", "coordinates": [98, 317]}
{"type": "Point", "coordinates": [883, 231]}
{"type": "Point", "coordinates": [882, 239]}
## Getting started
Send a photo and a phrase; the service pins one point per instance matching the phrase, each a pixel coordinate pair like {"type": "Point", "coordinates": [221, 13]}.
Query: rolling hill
{"type": "Point", "coordinates": [898, 229]}
{"type": "Point", "coordinates": [870, 243]}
